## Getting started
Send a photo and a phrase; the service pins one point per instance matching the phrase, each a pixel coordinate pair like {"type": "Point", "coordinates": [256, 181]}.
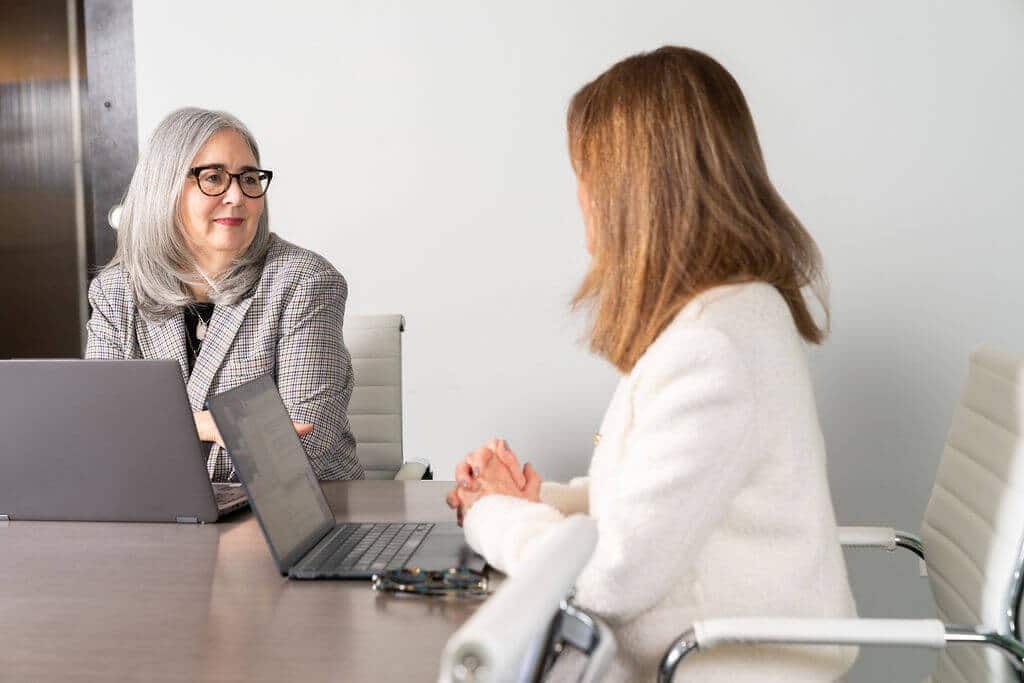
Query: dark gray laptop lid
{"type": "Point", "coordinates": [268, 456]}
{"type": "Point", "coordinates": [100, 440]}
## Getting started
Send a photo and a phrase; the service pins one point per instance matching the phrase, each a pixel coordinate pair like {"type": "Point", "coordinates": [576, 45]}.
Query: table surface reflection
{"type": "Point", "coordinates": [179, 602]}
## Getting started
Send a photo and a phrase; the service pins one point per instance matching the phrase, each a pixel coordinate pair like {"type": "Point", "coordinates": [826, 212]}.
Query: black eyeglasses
{"type": "Point", "coordinates": [213, 181]}
{"type": "Point", "coordinates": [458, 582]}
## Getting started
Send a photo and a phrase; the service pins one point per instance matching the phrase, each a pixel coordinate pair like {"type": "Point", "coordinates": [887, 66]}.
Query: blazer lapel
{"type": "Point", "coordinates": [219, 337]}
{"type": "Point", "coordinates": [164, 340]}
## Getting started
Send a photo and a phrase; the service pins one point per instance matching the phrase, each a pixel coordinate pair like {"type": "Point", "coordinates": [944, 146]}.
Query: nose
{"type": "Point", "coordinates": [233, 195]}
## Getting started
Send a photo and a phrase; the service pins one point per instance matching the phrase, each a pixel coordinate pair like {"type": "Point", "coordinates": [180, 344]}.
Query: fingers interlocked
{"type": "Point", "coordinates": [491, 469]}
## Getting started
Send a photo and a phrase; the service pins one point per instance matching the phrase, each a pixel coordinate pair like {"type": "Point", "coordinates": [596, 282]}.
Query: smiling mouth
{"type": "Point", "coordinates": [232, 222]}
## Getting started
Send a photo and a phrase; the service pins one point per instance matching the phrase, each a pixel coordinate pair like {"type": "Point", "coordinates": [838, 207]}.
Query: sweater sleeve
{"type": "Point", "coordinates": [314, 374]}
{"type": "Point", "coordinates": [503, 528]}
{"type": "Point", "coordinates": [683, 455]}
{"type": "Point", "coordinates": [504, 546]}
{"type": "Point", "coordinates": [568, 499]}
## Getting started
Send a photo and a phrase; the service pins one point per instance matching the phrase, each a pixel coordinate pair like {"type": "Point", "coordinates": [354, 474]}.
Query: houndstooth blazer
{"type": "Point", "coordinates": [290, 326]}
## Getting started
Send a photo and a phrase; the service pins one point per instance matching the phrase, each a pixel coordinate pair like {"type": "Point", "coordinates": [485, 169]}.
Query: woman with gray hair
{"type": "Point", "coordinates": [198, 277]}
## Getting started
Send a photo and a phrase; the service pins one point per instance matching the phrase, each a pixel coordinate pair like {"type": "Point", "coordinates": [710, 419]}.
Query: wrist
{"type": "Point", "coordinates": [203, 424]}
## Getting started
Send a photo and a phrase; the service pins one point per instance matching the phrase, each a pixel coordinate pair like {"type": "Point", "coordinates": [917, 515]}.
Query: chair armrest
{"type": "Point", "coordinates": [500, 637]}
{"type": "Point", "coordinates": [880, 537]}
{"type": "Point", "coordinates": [411, 471]}
{"type": "Point", "coordinates": [867, 537]}
{"type": "Point", "coordinates": [929, 633]}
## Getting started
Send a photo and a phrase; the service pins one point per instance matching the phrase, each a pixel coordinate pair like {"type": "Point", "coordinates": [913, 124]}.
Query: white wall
{"type": "Point", "coordinates": [421, 148]}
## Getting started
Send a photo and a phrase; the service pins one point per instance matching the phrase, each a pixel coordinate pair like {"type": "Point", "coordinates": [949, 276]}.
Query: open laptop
{"type": "Point", "coordinates": [103, 440]}
{"type": "Point", "coordinates": [299, 526]}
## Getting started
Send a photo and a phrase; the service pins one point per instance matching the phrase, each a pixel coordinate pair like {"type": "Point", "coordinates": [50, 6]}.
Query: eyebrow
{"type": "Point", "coordinates": [222, 167]}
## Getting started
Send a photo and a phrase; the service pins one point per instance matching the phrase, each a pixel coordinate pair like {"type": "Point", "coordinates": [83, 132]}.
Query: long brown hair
{"type": "Point", "coordinates": [665, 146]}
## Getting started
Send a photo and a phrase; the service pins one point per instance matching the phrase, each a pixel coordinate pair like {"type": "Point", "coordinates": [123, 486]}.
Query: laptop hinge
{"type": "Point", "coordinates": [187, 520]}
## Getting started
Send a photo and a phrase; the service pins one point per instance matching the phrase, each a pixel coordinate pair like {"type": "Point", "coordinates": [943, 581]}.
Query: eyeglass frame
{"type": "Point", "coordinates": [196, 170]}
{"type": "Point", "coordinates": [434, 584]}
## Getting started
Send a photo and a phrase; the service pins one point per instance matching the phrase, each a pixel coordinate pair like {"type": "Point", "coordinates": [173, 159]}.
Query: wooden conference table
{"type": "Point", "coordinates": [181, 602]}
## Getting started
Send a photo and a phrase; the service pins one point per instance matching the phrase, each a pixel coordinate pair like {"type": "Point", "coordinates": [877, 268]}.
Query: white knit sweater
{"type": "Point", "coordinates": [709, 489]}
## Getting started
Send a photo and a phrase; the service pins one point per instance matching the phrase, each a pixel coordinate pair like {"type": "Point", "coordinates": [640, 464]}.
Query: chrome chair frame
{"type": "Point", "coordinates": [1004, 636]}
{"type": "Point", "coordinates": [573, 627]}
{"type": "Point", "coordinates": [688, 643]}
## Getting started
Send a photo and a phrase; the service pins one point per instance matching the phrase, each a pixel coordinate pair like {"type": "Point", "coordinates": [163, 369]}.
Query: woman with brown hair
{"type": "Point", "coordinates": [708, 479]}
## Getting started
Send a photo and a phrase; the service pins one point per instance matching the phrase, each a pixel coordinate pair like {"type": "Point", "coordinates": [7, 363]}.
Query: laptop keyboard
{"type": "Point", "coordinates": [364, 549]}
{"type": "Point", "coordinates": [227, 494]}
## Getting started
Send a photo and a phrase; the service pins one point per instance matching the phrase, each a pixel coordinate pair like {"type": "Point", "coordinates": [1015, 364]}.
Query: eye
{"type": "Point", "coordinates": [251, 179]}
{"type": "Point", "coordinates": [211, 177]}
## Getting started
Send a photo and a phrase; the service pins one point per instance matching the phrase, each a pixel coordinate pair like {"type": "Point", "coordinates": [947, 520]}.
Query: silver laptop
{"type": "Point", "coordinates": [297, 521]}
{"type": "Point", "coordinates": [111, 441]}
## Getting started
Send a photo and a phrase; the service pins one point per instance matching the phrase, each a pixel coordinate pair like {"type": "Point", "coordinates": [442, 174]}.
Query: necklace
{"type": "Point", "coordinates": [201, 327]}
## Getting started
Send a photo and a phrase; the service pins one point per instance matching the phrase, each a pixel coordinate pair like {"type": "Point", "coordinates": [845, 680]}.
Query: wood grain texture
{"type": "Point", "coordinates": [166, 602]}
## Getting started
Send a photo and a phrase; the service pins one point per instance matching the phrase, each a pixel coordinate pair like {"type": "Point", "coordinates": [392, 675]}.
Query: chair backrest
{"type": "Point", "coordinates": [375, 409]}
{"type": "Point", "coordinates": [974, 524]}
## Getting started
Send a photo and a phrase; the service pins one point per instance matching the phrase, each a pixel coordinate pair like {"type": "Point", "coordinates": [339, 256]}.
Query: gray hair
{"type": "Point", "coordinates": [151, 248]}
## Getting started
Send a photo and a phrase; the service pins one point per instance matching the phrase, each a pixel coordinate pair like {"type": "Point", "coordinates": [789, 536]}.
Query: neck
{"type": "Point", "coordinates": [200, 293]}
{"type": "Point", "coordinates": [211, 265]}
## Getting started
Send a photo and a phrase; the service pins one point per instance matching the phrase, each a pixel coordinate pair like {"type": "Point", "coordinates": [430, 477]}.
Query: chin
{"type": "Point", "coordinates": [235, 243]}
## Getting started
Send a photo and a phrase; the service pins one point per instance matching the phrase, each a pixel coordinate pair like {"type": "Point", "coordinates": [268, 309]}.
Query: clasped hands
{"type": "Point", "coordinates": [491, 469]}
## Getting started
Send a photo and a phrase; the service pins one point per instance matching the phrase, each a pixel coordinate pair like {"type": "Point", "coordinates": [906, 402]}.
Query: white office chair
{"type": "Point", "coordinates": [375, 409]}
{"type": "Point", "coordinates": [973, 530]}
{"type": "Point", "coordinates": [516, 634]}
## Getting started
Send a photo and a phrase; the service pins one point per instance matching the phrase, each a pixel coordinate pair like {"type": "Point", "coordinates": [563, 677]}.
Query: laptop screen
{"type": "Point", "coordinates": [269, 460]}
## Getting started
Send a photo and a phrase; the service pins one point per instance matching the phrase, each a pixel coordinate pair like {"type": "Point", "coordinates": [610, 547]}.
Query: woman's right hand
{"type": "Point", "coordinates": [206, 428]}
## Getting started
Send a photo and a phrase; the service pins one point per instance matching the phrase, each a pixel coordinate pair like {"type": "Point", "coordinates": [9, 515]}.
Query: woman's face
{"type": "Point", "coordinates": [586, 206]}
{"type": "Point", "coordinates": [224, 226]}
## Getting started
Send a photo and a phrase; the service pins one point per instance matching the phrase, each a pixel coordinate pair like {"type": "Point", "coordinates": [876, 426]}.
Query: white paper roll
{"type": "Point", "coordinates": [498, 636]}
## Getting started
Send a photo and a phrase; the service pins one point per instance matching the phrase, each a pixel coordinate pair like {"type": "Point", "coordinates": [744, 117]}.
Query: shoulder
{"type": "Point", "coordinates": [111, 279]}
{"type": "Point", "coordinates": [112, 288]}
{"type": "Point", "coordinates": [730, 325]}
{"type": "Point", "coordinates": [289, 266]}
{"type": "Point", "coordinates": [749, 307]}
{"type": "Point", "coordinates": [741, 312]}
{"type": "Point", "coordinates": [743, 335]}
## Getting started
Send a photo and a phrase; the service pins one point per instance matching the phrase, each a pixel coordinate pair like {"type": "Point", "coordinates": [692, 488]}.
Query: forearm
{"type": "Point", "coordinates": [331, 446]}
{"type": "Point", "coordinates": [503, 528]}
{"type": "Point", "coordinates": [314, 375]}
{"type": "Point", "coordinates": [569, 499]}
